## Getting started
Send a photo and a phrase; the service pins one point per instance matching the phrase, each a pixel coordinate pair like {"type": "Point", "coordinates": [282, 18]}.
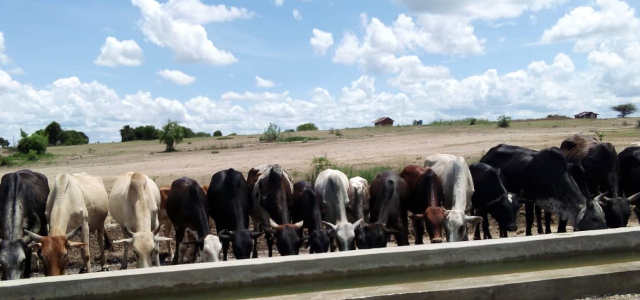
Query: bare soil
{"type": "Point", "coordinates": [395, 147]}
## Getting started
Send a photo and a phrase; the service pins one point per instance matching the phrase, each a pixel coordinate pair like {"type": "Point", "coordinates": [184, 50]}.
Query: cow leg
{"type": "Point", "coordinates": [539, 218]}
{"type": "Point", "coordinates": [562, 226]}
{"type": "Point", "coordinates": [100, 234]}
{"type": "Point", "coordinates": [178, 254]}
{"type": "Point", "coordinates": [125, 259]}
{"type": "Point", "coordinates": [225, 249]}
{"type": "Point", "coordinates": [167, 233]}
{"type": "Point", "coordinates": [86, 254]}
{"type": "Point", "coordinates": [405, 226]}
{"type": "Point", "coordinates": [547, 222]}
{"type": "Point", "coordinates": [403, 238]}
{"type": "Point", "coordinates": [485, 226]}
{"type": "Point", "coordinates": [418, 230]}
{"type": "Point", "coordinates": [108, 245]}
{"type": "Point", "coordinates": [269, 243]}
{"type": "Point", "coordinates": [27, 263]}
{"type": "Point", "coordinates": [528, 209]}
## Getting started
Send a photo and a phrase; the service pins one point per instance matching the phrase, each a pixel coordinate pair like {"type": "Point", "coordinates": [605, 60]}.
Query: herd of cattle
{"type": "Point", "coordinates": [584, 182]}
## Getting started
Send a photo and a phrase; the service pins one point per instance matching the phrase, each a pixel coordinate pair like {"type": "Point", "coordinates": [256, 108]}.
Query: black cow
{"type": "Point", "coordinates": [23, 198]}
{"type": "Point", "coordinates": [602, 169]}
{"type": "Point", "coordinates": [630, 175]}
{"type": "Point", "coordinates": [230, 207]}
{"type": "Point", "coordinates": [543, 176]}
{"type": "Point", "coordinates": [307, 207]}
{"type": "Point", "coordinates": [492, 197]}
{"type": "Point", "coordinates": [187, 209]}
{"type": "Point", "coordinates": [388, 210]}
{"type": "Point", "coordinates": [271, 188]}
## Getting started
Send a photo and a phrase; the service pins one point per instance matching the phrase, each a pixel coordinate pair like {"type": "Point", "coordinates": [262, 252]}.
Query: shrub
{"type": "Point", "coordinates": [4, 161]}
{"type": "Point", "coordinates": [72, 137]}
{"type": "Point", "coordinates": [271, 133]}
{"type": "Point", "coordinates": [472, 121]}
{"type": "Point", "coordinates": [233, 134]}
{"type": "Point", "coordinates": [289, 130]}
{"type": "Point", "coordinates": [202, 134]}
{"type": "Point", "coordinates": [4, 143]}
{"type": "Point", "coordinates": [33, 155]}
{"type": "Point", "coordinates": [307, 127]}
{"type": "Point", "coordinates": [33, 142]}
{"type": "Point", "coordinates": [504, 121]}
{"type": "Point", "coordinates": [188, 133]}
{"type": "Point", "coordinates": [217, 133]}
{"type": "Point", "coordinates": [172, 134]}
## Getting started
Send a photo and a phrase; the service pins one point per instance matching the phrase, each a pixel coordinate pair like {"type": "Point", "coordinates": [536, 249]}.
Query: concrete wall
{"type": "Point", "coordinates": [282, 270]}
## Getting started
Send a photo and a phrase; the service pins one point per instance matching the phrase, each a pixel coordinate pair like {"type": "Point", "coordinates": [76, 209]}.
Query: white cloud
{"type": "Point", "coordinates": [177, 77]}
{"type": "Point", "coordinates": [278, 2]}
{"type": "Point", "coordinates": [4, 59]}
{"type": "Point", "coordinates": [297, 15]}
{"type": "Point", "coordinates": [430, 34]}
{"type": "Point", "coordinates": [251, 96]}
{"type": "Point", "coordinates": [16, 71]}
{"type": "Point", "coordinates": [480, 9]}
{"type": "Point", "coordinates": [321, 41]}
{"type": "Point", "coordinates": [178, 25]}
{"type": "Point", "coordinates": [115, 53]}
{"type": "Point", "coordinates": [589, 26]}
{"type": "Point", "coordinates": [263, 83]}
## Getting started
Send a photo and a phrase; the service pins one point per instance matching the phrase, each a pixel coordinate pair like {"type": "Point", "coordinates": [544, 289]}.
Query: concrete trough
{"type": "Point", "coordinates": [436, 271]}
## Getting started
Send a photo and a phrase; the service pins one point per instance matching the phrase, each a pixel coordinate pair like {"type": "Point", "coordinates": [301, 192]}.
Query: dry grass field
{"type": "Point", "coordinates": [392, 147]}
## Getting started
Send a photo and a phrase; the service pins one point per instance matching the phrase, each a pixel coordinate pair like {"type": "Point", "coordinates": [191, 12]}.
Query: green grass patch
{"type": "Point", "coordinates": [461, 122]}
{"type": "Point", "coordinates": [289, 139]}
{"type": "Point", "coordinates": [225, 138]}
{"type": "Point", "coordinates": [19, 159]}
{"type": "Point", "coordinates": [321, 163]}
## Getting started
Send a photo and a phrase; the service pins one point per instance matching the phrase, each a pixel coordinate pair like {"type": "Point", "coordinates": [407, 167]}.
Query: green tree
{"type": "Point", "coordinates": [72, 137]}
{"type": "Point", "coordinates": [624, 109]}
{"type": "Point", "coordinates": [53, 131]}
{"type": "Point", "coordinates": [4, 143]}
{"type": "Point", "coordinates": [217, 133]}
{"type": "Point", "coordinates": [127, 133]}
{"type": "Point", "coordinates": [202, 134]}
{"type": "Point", "coordinates": [307, 127]}
{"type": "Point", "coordinates": [146, 133]}
{"type": "Point", "coordinates": [34, 142]}
{"type": "Point", "coordinates": [188, 133]}
{"type": "Point", "coordinates": [504, 121]}
{"type": "Point", "coordinates": [271, 133]}
{"type": "Point", "coordinates": [172, 134]}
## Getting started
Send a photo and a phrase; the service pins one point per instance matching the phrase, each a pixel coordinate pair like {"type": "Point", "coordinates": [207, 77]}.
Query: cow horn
{"type": "Point", "coordinates": [298, 225]}
{"type": "Point", "coordinates": [33, 236]}
{"type": "Point", "coordinates": [602, 197]}
{"type": "Point", "coordinates": [417, 216]}
{"type": "Point", "coordinates": [128, 232]}
{"type": "Point", "coordinates": [73, 233]}
{"type": "Point", "coordinates": [156, 231]}
{"type": "Point", "coordinates": [330, 225]}
{"type": "Point", "coordinates": [36, 227]}
{"type": "Point", "coordinates": [358, 223]}
{"type": "Point", "coordinates": [256, 235]}
{"type": "Point", "coordinates": [633, 199]}
{"type": "Point", "coordinates": [273, 224]}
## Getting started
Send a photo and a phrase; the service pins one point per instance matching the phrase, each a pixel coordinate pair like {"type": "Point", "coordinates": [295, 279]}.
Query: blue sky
{"type": "Point", "coordinates": [96, 66]}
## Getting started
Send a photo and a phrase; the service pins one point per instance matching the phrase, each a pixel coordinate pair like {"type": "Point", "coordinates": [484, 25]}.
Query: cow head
{"type": "Point", "coordinates": [455, 225]}
{"type": "Point", "coordinates": [13, 254]}
{"type": "Point", "coordinates": [361, 237]}
{"type": "Point", "coordinates": [377, 234]}
{"type": "Point", "coordinates": [287, 240]}
{"type": "Point", "coordinates": [504, 209]}
{"type": "Point", "coordinates": [434, 219]}
{"type": "Point", "coordinates": [53, 250]}
{"type": "Point", "coordinates": [319, 241]}
{"type": "Point", "coordinates": [616, 209]}
{"type": "Point", "coordinates": [345, 233]}
{"type": "Point", "coordinates": [144, 244]}
{"type": "Point", "coordinates": [241, 241]}
{"type": "Point", "coordinates": [210, 247]}
{"type": "Point", "coordinates": [591, 217]}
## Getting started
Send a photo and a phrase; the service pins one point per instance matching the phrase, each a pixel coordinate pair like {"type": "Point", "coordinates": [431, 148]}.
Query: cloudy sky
{"type": "Point", "coordinates": [237, 65]}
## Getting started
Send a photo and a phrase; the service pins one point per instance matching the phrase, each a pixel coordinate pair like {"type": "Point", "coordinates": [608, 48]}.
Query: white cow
{"type": "Point", "coordinates": [77, 203]}
{"type": "Point", "coordinates": [134, 203]}
{"type": "Point", "coordinates": [332, 186]}
{"type": "Point", "coordinates": [358, 206]}
{"type": "Point", "coordinates": [458, 189]}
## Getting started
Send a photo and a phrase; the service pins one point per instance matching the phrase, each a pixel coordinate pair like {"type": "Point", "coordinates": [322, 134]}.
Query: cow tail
{"type": "Point", "coordinates": [194, 193]}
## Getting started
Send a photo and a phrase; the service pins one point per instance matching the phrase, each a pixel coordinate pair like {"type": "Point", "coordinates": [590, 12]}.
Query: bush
{"type": "Point", "coordinates": [233, 134]}
{"type": "Point", "coordinates": [188, 133]}
{"type": "Point", "coordinates": [289, 130]}
{"type": "Point", "coordinates": [271, 133]}
{"type": "Point", "coordinates": [33, 155]}
{"type": "Point", "coordinates": [217, 133]}
{"type": "Point", "coordinates": [4, 161]}
{"type": "Point", "coordinates": [472, 121]}
{"type": "Point", "coordinates": [33, 142]}
{"type": "Point", "coordinates": [307, 127]}
{"type": "Point", "coordinates": [504, 121]}
{"type": "Point", "coordinates": [202, 134]}
{"type": "Point", "coordinates": [172, 134]}
{"type": "Point", "coordinates": [4, 143]}
{"type": "Point", "coordinates": [72, 137]}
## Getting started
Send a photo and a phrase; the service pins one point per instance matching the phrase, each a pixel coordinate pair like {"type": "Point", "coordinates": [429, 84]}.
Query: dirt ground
{"type": "Point", "coordinates": [390, 146]}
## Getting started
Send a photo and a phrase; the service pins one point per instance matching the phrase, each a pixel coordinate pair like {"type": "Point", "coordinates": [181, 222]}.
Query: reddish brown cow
{"type": "Point", "coordinates": [425, 201]}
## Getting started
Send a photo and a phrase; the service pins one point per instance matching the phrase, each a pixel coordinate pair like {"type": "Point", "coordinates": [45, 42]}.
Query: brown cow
{"type": "Point", "coordinates": [425, 201]}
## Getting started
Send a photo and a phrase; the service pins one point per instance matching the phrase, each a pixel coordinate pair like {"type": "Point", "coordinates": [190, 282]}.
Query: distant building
{"type": "Point", "coordinates": [417, 122]}
{"type": "Point", "coordinates": [384, 121]}
{"type": "Point", "coordinates": [586, 115]}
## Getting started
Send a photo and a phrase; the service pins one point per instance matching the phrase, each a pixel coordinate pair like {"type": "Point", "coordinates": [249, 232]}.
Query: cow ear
{"type": "Point", "coordinates": [35, 246]}
{"type": "Point", "coordinates": [75, 244]}
{"type": "Point", "coordinates": [224, 237]}
{"type": "Point", "coordinates": [473, 219]}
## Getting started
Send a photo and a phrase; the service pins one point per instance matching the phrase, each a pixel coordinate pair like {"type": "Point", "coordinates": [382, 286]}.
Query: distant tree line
{"type": "Point", "coordinates": [150, 132]}
{"type": "Point", "coordinates": [54, 135]}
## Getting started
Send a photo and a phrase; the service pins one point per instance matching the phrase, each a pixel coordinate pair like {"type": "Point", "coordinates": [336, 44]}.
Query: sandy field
{"type": "Point", "coordinates": [393, 147]}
